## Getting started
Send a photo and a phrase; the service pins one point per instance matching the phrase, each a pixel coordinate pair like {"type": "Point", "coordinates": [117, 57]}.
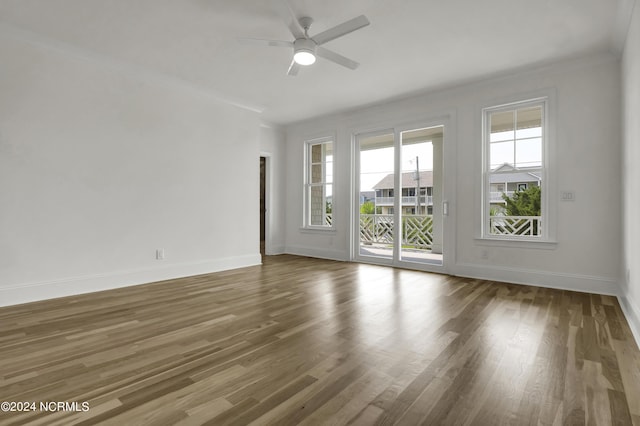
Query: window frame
{"type": "Point", "coordinates": [307, 184]}
{"type": "Point", "coordinates": [546, 101]}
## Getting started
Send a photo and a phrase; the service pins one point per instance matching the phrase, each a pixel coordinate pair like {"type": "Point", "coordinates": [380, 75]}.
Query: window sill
{"type": "Point", "coordinates": [317, 230]}
{"type": "Point", "coordinates": [529, 244]}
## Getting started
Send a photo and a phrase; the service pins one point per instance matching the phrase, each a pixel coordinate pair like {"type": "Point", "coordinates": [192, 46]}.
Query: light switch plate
{"type": "Point", "coordinates": [568, 196]}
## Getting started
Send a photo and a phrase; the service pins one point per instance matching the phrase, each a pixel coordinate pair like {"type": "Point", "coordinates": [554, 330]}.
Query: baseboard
{"type": "Point", "coordinates": [274, 250]}
{"type": "Point", "coordinates": [560, 281]}
{"type": "Point", "coordinates": [315, 252]}
{"type": "Point", "coordinates": [43, 290]}
{"type": "Point", "coordinates": [632, 313]}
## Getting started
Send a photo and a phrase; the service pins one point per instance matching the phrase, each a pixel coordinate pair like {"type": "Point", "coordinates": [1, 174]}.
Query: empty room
{"type": "Point", "coordinates": [293, 212]}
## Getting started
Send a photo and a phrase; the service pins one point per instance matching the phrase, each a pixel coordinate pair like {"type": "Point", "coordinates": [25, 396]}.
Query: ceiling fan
{"type": "Point", "coordinates": [306, 48]}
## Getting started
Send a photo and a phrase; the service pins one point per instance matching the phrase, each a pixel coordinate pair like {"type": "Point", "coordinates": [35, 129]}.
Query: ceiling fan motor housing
{"type": "Point", "coordinates": [304, 51]}
{"type": "Point", "coordinates": [304, 45]}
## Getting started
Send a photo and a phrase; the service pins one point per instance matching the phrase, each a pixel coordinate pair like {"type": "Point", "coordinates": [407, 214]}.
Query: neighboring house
{"type": "Point", "coordinates": [367, 196]}
{"type": "Point", "coordinates": [411, 204]}
{"type": "Point", "coordinates": [507, 179]}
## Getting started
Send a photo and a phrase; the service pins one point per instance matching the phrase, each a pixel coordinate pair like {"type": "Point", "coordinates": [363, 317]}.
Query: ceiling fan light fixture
{"type": "Point", "coordinates": [304, 51]}
{"type": "Point", "coordinates": [304, 57]}
{"type": "Point", "coordinates": [307, 49]}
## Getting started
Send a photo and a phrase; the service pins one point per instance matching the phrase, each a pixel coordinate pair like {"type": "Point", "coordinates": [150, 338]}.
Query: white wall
{"type": "Point", "coordinates": [100, 167]}
{"type": "Point", "coordinates": [272, 146]}
{"type": "Point", "coordinates": [586, 113]}
{"type": "Point", "coordinates": [630, 281]}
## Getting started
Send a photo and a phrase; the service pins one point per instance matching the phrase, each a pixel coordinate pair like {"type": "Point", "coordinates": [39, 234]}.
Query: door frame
{"type": "Point", "coordinates": [267, 202]}
{"type": "Point", "coordinates": [448, 192]}
{"type": "Point", "coordinates": [355, 210]}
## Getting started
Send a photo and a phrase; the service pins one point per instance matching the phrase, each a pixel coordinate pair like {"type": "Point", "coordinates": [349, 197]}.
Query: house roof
{"type": "Point", "coordinates": [507, 173]}
{"type": "Point", "coordinates": [506, 167]}
{"type": "Point", "coordinates": [408, 180]}
{"type": "Point", "coordinates": [514, 177]}
{"type": "Point", "coordinates": [503, 174]}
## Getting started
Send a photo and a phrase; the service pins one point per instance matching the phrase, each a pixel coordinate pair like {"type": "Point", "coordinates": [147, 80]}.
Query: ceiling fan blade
{"type": "Point", "coordinates": [286, 13]}
{"type": "Point", "coordinates": [337, 58]}
{"type": "Point", "coordinates": [293, 69]}
{"type": "Point", "coordinates": [340, 30]}
{"type": "Point", "coordinates": [276, 43]}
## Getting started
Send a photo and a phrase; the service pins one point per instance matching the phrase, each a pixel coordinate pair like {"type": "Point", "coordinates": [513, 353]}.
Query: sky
{"type": "Point", "coordinates": [526, 151]}
{"type": "Point", "coordinates": [376, 164]}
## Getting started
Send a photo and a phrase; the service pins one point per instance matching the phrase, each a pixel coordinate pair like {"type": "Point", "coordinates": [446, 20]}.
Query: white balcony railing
{"type": "Point", "coordinates": [497, 195]}
{"type": "Point", "coordinates": [406, 201]}
{"type": "Point", "coordinates": [417, 230]}
{"type": "Point", "coordinates": [516, 225]}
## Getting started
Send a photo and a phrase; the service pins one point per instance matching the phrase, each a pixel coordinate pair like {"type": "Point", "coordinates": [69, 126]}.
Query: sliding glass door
{"type": "Point", "coordinates": [376, 206]}
{"type": "Point", "coordinates": [399, 192]}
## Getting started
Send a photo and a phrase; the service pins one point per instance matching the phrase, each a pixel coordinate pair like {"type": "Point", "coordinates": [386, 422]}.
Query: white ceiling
{"type": "Point", "coordinates": [411, 45]}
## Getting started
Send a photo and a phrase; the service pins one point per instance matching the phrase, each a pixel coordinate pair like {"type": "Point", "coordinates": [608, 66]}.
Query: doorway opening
{"type": "Point", "coordinates": [263, 203]}
{"type": "Point", "coordinates": [399, 179]}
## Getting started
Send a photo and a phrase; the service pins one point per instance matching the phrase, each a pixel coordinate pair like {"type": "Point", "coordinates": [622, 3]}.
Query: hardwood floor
{"type": "Point", "coordinates": [308, 341]}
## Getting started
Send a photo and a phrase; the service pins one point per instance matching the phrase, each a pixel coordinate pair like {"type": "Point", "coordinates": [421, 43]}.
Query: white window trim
{"type": "Point", "coordinates": [546, 98]}
{"type": "Point", "coordinates": [306, 214]}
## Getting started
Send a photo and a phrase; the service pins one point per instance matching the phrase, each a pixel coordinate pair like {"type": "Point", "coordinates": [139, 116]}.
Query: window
{"type": "Point", "coordinates": [514, 143]}
{"type": "Point", "coordinates": [319, 183]}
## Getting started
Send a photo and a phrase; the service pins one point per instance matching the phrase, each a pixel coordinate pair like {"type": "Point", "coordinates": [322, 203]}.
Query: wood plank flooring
{"type": "Point", "coordinates": [308, 341]}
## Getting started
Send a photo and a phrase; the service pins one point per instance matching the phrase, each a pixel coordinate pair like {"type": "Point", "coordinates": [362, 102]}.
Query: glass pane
{"type": "Point", "coordinates": [531, 132]}
{"type": "Point", "coordinates": [502, 122]}
{"type": "Point", "coordinates": [316, 173]}
{"type": "Point", "coordinates": [529, 152]}
{"type": "Point", "coordinates": [501, 153]}
{"type": "Point", "coordinates": [421, 214]}
{"type": "Point", "coordinates": [376, 181]}
{"type": "Point", "coordinates": [328, 150]}
{"type": "Point", "coordinates": [529, 117]}
{"type": "Point", "coordinates": [501, 136]}
{"type": "Point", "coordinates": [316, 153]}
{"type": "Point", "coordinates": [317, 205]}
{"type": "Point", "coordinates": [328, 171]}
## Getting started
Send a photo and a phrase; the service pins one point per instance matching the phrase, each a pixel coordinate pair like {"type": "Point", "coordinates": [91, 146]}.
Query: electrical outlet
{"type": "Point", "coordinates": [159, 254]}
{"type": "Point", "coordinates": [568, 196]}
{"type": "Point", "coordinates": [484, 254]}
